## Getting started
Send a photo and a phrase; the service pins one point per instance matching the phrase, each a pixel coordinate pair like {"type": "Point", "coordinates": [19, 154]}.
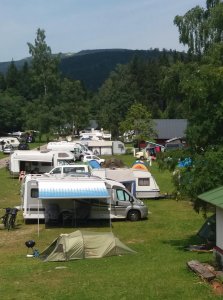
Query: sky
{"type": "Point", "coordinates": [75, 25]}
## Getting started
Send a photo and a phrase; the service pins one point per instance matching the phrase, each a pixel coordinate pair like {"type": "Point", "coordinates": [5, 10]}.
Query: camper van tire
{"type": "Point", "coordinates": [134, 215]}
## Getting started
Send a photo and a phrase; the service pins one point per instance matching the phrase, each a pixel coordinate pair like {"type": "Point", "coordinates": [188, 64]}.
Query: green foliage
{"type": "Point", "coordinates": [11, 117]}
{"type": "Point", "coordinates": [205, 172]}
{"type": "Point", "coordinates": [44, 66]}
{"type": "Point", "coordinates": [138, 121]}
{"type": "Point", "coordinates": [199, 28]}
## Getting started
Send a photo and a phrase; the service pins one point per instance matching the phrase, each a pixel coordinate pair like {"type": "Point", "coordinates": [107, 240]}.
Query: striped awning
{"type": "Point", "coordinates": [72, 190]}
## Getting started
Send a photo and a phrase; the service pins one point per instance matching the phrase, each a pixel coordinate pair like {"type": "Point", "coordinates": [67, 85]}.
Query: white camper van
{"type": "Point", "coordinates": [70, 170]}
{"type": "Point", "coordinates": [34, 161]}
{"type": "Point", "coordinates": [81, 197]}
{"type": "Point", "coordinates": [140, 183]}
{"type": "Point", "coordinates": [77, 148]}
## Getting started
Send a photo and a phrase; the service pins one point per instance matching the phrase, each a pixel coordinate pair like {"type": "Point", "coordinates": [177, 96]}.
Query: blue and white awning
{"type": "Point", "coordinates": [72, 189]}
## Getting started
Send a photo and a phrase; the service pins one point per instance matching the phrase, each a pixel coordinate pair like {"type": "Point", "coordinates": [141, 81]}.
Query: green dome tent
{"type": "Point", "coordinates": [83, 244]}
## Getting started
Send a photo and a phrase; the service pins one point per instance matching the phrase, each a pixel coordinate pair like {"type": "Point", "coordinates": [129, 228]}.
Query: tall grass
{"type": "Point", "coordinates": [157, 271]}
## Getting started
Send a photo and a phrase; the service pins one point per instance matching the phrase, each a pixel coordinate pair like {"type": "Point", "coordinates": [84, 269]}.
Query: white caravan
{"type": "Point", "coordinates": [77, 148]}
{"type": "Point", "coordinates": [82, 198]}
{"type": "Point", "coordinates": [34, 161]}
{"type": "Point", "coordinates": [139, 182]}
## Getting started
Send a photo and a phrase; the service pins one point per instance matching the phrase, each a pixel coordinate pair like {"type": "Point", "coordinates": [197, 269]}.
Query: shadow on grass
{"type": "Point", "coordinates": [183, 244]}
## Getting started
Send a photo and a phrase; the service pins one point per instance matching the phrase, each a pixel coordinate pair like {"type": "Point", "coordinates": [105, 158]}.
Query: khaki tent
{"type": "Point", "coordinates": [82, 244]}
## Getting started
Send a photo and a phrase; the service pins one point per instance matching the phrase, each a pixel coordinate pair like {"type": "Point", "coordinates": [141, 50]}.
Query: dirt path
{"type": "Point", "coordinates": [3, 162]}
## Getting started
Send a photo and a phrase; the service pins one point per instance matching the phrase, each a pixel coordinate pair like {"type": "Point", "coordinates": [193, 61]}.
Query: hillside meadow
{"type": "Point", "coordinates": [157, 271]}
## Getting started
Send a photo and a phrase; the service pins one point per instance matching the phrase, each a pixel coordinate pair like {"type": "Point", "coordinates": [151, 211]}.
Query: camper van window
{"type": "Point", "coordinates": [56, 171]}
{"type": "Point", "coordinates": [34, 163]}
{"type": "Point", "coordinates": [143, 182]}
{"type": "Point", "coordinates": [122, 195]}
{"type": "Point", "coordinates": [34, 193]}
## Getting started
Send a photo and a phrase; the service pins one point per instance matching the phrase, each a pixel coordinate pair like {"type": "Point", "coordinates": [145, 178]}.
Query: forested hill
{"type": "Point", "coordinates": [92, 67]}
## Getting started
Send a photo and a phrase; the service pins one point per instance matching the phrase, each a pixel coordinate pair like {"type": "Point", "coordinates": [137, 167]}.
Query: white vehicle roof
{"type": "Point", "coordinates": [36, 155]}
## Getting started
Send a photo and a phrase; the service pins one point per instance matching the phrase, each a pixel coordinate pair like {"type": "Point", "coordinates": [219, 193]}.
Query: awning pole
{"type": "Point", "coordinates": [38, 217]}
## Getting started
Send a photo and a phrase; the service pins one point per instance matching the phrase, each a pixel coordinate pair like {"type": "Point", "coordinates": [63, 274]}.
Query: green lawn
{"type": "Point", "coordinates": [157, 271]}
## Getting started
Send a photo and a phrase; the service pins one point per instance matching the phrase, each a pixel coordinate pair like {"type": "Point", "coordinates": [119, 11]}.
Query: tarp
{"type": "Point", "coordinates": [72, 189]}
{"type": "Point", "coordinates": [83, 244]}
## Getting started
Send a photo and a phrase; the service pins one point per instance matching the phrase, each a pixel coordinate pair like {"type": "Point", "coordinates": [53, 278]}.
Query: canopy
{"type": "Point", "coordinates": [83, 244]}
{"type": "Point", "coordinates": [214, 197]}
{"type": "Point", "coordinates": [72, 189]}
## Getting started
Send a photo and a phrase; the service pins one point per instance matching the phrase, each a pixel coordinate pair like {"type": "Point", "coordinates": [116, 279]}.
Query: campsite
{"type": "Point", "coordinates": [157, 270]}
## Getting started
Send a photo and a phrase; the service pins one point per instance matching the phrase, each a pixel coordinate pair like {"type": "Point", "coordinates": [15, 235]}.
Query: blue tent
{"type": "Point", "coordinates": [94, 164]}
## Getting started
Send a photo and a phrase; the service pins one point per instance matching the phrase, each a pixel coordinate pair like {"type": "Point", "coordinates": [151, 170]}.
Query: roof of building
{"type": "Point", "coordinates": [170, 128]}
{"type": "Point", "coordinates": [214, 197]}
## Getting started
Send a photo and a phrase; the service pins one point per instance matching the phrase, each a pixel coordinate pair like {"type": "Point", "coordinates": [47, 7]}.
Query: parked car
{"type": "Point", "coordinates": [7, 149]}
{"type": "Point", "coordinates": [23, 146]}
{"type": "Point", "coordinates": [86, 158]}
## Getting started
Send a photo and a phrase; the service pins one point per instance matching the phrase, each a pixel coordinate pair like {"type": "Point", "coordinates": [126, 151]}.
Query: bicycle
{"type": "Point", "coordinates": [5, 217]}
{"type": "Point", "coordinates": [12, 218]}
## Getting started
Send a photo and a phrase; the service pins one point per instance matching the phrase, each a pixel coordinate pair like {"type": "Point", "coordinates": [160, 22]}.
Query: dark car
{"type": "Point", "coordinates": [23, 146]}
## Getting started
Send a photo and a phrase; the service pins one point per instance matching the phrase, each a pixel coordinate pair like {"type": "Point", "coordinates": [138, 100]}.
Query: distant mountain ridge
{"type": "Point", "coordinates": [92, 67]}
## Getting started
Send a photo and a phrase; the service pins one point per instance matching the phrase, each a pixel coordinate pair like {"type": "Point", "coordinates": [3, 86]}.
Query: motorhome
{"type": "Point", "coordinates": [95, 135]}
{"type": "Point", "coordinates": [13, 141]}
{"type": "Point", "coordinates": [83, 198]}
{"type": "Point", "coordinates": [77, 148]}
{"type": "Point", "coordinates": [141, 183]}
{"type": "Point", "coordinates": [34, 161]}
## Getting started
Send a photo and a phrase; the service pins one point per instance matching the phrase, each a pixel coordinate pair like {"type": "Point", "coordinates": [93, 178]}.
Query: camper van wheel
{"type": "Point", "coordinates": [133, 215]}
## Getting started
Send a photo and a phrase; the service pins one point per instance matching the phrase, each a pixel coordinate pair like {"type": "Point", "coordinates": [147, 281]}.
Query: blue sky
{"type": "Point", "coordinates": [74, 25]}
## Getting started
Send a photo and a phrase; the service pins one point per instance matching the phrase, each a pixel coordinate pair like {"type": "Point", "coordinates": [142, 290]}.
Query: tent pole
{"type": "Point", "coordinates": [110, 222]}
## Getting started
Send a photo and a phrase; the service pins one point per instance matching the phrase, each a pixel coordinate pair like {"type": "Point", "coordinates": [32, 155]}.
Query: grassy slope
{"type": "Point", "coordinates": [157, 271]}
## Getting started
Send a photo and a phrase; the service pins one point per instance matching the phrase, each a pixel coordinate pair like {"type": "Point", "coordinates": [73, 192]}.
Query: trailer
{"type": "Point", "coordinates": [35, 161]}
{"type": "Point", "coordinates": [80, 198]}
{"type": "Point", "coordinates": [141, 183]}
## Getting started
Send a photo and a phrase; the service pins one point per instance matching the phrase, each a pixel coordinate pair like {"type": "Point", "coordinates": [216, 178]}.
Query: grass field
{"type": "Point", "coordinates": [157, 271]}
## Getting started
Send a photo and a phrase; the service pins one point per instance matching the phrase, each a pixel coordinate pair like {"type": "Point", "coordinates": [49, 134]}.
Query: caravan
{"type": "Point", "coordinates": [34, 161]}
{"type": "Point", "coordinates": [81, 198]}
{"type": "Point", "coordinates": [141, 183]}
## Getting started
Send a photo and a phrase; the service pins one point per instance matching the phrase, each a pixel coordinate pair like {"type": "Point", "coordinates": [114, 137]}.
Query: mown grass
{"type": "Point", "coordinates": [157, 271]}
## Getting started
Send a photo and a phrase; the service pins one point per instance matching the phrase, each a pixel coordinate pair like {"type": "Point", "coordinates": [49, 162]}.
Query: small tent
{"type": "Point", "coordinates": [94, 164]}
{"type": "Point", "coordinates": [139, 165]}
{"type": "Point", "coordinates": [83, 244]}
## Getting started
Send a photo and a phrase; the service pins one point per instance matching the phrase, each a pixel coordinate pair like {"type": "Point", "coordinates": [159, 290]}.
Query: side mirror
{"type": "Point", "coordinates": [131, 200]}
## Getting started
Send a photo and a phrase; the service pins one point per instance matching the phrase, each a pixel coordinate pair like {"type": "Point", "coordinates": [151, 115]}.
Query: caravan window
{"type": "Point", "coordinates": [144, 181]}
{"type": "Point", "coordinates": [34, 193]}
{"type": "Point", "coordinates": [122, 195]}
